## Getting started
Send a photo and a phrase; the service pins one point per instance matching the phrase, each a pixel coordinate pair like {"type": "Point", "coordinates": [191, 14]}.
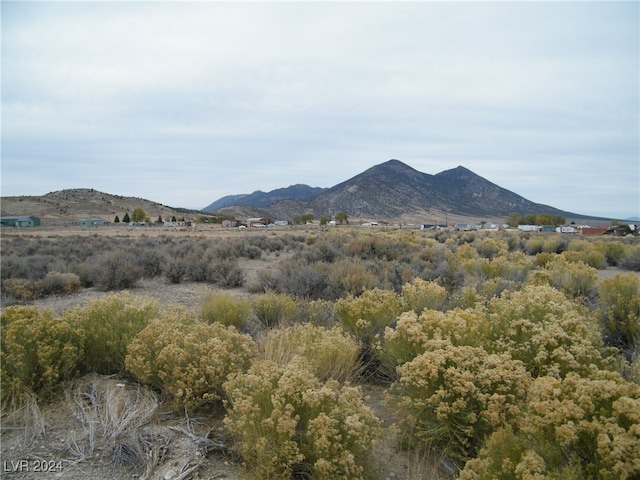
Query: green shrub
{"type": "Point", "coordinates": [109, 324]}
{"type": "Point", "coordinates": [287, 423]}
{"type": "Point", "coordinates": [631, 258]}
{"type": "Point", "coordinates": [329, 353]}
{"type": "Point", "coordinates": [273, 308]}
{"type": "Point", "coordinates": [575, 279]}
{"type": "Point", "coordinates": [188, 358]}
{"type": "Point", "coordinates": [452, 397]}
{"type": "Point", "coordinates": [620, 310]}
{"type": "Point", "coordinates": [228, 310]}
{"type": "Point", "coordinates": [38, 352]}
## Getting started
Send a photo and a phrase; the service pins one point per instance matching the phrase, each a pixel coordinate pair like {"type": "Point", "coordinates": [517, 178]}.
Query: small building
{"type": "Point", "coordinates": [529, 228]}
{"type": "Point", "coordinates": [92, 222]}
{"type": "Point", "coordinates": [230, 223]}
{"type": "Point", "coordinates": [20, 221]}
{"type": "Point", "coordinates": [256, 222]}
{"type": "Point", "coordinates": [567, 229]}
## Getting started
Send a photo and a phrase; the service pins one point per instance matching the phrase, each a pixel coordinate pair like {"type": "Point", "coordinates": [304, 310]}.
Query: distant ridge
{"type": "Point", "coordinates": [260, 199]}
{"type": "Point", "coordinates": [394, 190]}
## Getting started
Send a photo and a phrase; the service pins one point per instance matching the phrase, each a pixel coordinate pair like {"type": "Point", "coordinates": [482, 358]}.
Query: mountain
{"type": "Point", "coordinates": [394, 190]}
{"type": "Point", "coordinates": [260, 199]}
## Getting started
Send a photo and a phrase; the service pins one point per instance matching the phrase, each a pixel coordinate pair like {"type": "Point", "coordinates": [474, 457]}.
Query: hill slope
{"type": "Point", "coordinates": [70, 205]}
{"type": "Point", "coordinates": [394, 190]}
{"type": "Point", "coordinates": [260, 199]}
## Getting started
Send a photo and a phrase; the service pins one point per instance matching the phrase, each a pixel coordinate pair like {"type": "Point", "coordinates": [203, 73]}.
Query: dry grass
{"type": "Point", "coordinates": [112, 415]}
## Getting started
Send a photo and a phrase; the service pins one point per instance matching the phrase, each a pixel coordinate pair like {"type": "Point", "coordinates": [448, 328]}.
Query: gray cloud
{"type": "Point", "coordinates": [183, 103]}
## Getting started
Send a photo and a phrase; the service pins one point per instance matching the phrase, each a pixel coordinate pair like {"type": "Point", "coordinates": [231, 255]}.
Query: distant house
{"type": "Point", "coordinates": [92, 222]}
{"type": "Point", "coordinates": [256, 222]}
{"type": "Point", "coordinates": [230, 223]}
{"type": "Point", "coordinates": [20, 221]}
{"type": "Point", "coordinates": [529, 228]}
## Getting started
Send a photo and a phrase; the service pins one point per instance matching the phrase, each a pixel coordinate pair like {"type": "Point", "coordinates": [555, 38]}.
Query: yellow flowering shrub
{"type": "Point", "coordinates": [288, 422]}
{"type": "Point", "coordinates": [188, 358]}
{"type": "Point", "coordinates": [412, 334]}
{"type": "Point", "coordinates": [620, 310]}
{"type": "Point", "coordinates": [575, 279]}
{"type": "Point", "coordinates": [577, 427]}
{"type": "Point", "coordinates": [109, 324]}
{"type": "Point", "coordinates": [367, 315]}
{"type": "Point", "coordinates": [223, 308]}
{"type": "Point", "coordinates": [453, 396]}
{"type": "Point", "coordinates": [329, 352]}
{"type": "Point", "coordinates": [273, 308]}
{"type": "Point", "coordinates": [421, 295]}
{"type": "Point", "coordinates": [38, 351]}
{"type": "Point", "coordinates": [545, 330]}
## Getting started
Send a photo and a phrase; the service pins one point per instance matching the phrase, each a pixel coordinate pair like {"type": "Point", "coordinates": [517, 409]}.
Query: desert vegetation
{"type": "Point", "coordinates": [500, 354]}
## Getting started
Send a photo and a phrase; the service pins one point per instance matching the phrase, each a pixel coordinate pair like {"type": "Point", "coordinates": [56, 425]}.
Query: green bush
{"type": "Point", "coordinates": [228, 310]}
{"type": "Point", "coordinates": [38, 352]}
{"type": "Point", "coordinates": [631, 258]}
{"type": "Point", "coordinates": [109, 324]}
{"type": "Point", "coordinates": [273, 308]}
{"type": "Point", "coordinates": [188, 358]}
{"type": "Point", "coordinates": [452, 397]}
{"type": "Point", "coordinates": [620, 310]}
{"type": "Point", "coordinates": [575, 279]}
{"type": "Point", "coordinates": [287, 422]}
{"type": "Point", "coordinates": [329, 353]}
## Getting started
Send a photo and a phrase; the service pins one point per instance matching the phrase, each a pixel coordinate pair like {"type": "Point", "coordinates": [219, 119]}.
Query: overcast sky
{"type": "Point", "coordinates": [185, 102]}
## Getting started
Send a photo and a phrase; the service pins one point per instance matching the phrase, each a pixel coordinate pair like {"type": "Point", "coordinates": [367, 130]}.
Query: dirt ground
{"type": "Point", "coordinates": [55, 441]}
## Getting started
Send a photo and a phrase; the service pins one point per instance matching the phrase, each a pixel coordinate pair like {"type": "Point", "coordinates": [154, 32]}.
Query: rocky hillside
{"type": "Point", "coordinates": [70, 205]}
{"type": "Point", "coordinates": [394, 190]}
{"type": "Point", "coordinates": [260, 199]}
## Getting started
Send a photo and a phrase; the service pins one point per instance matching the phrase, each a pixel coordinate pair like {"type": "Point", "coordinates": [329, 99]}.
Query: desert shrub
{"type": "Point", "coordinates": [452, 397]}
{"type": "Point", "coordinates": [273, 308]}
{"type": "Point", "coordinates": [227, 273]}
{"type": "Point", "coordinates": [367, 315]}
{"type": "Point", "coordinates": [631, 258]}
{"type": "Point", "coordinates": [287, 422]}
{"type": "Point", "coordinates": [175, 270]}
{"type": "Point", "coordinates": [21, 289]}
{"type": "Point", "coordinates": [109, 324]}
{"type": "Point", "coordinates": [413, 334]}
{"type": "Point", "coordinates": [115, 271]}
{"type": "Point", "coordinates": [577, 280]}
{"type": "Point", "coordinates": [223, 308]}
{"type": "Point", "coordinates": [38, 352]}
{"type": "Point", "coordinates": [508, 455]}
{"type": "Point", "coordinates": [199, 267]}
{"type": "Point", "coordinates": [589, 422]}
{"type": "Point", "coordinates": [612, 250]}
{"type": "Point", "coordinates": [350, 276]}
{"type": "Point", "coordinates": [491, 247]}
{"type": "Point", "coordinates": [188, 358]}
{"type": "Point", "coordinates": [329, 353]}
{"type": "Point", "coordinates": [620, 310]}
{"type": "Point", "coordinates": [150, 260]}
{"type": "Point", "coordinates": [61, 283]}
{"type": "Point", "coordinates": [318, 312]}
{"type": "Point", "coordinates": [535, 245]}
{"type": "Point", "coordinates": [421, 295]}
{"type": "Point", "coordinates": [595, 259]}
{"type": "Point", "coordinates": [545, 330]}
{"type": "Point", "coordinates": [296, 277]}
